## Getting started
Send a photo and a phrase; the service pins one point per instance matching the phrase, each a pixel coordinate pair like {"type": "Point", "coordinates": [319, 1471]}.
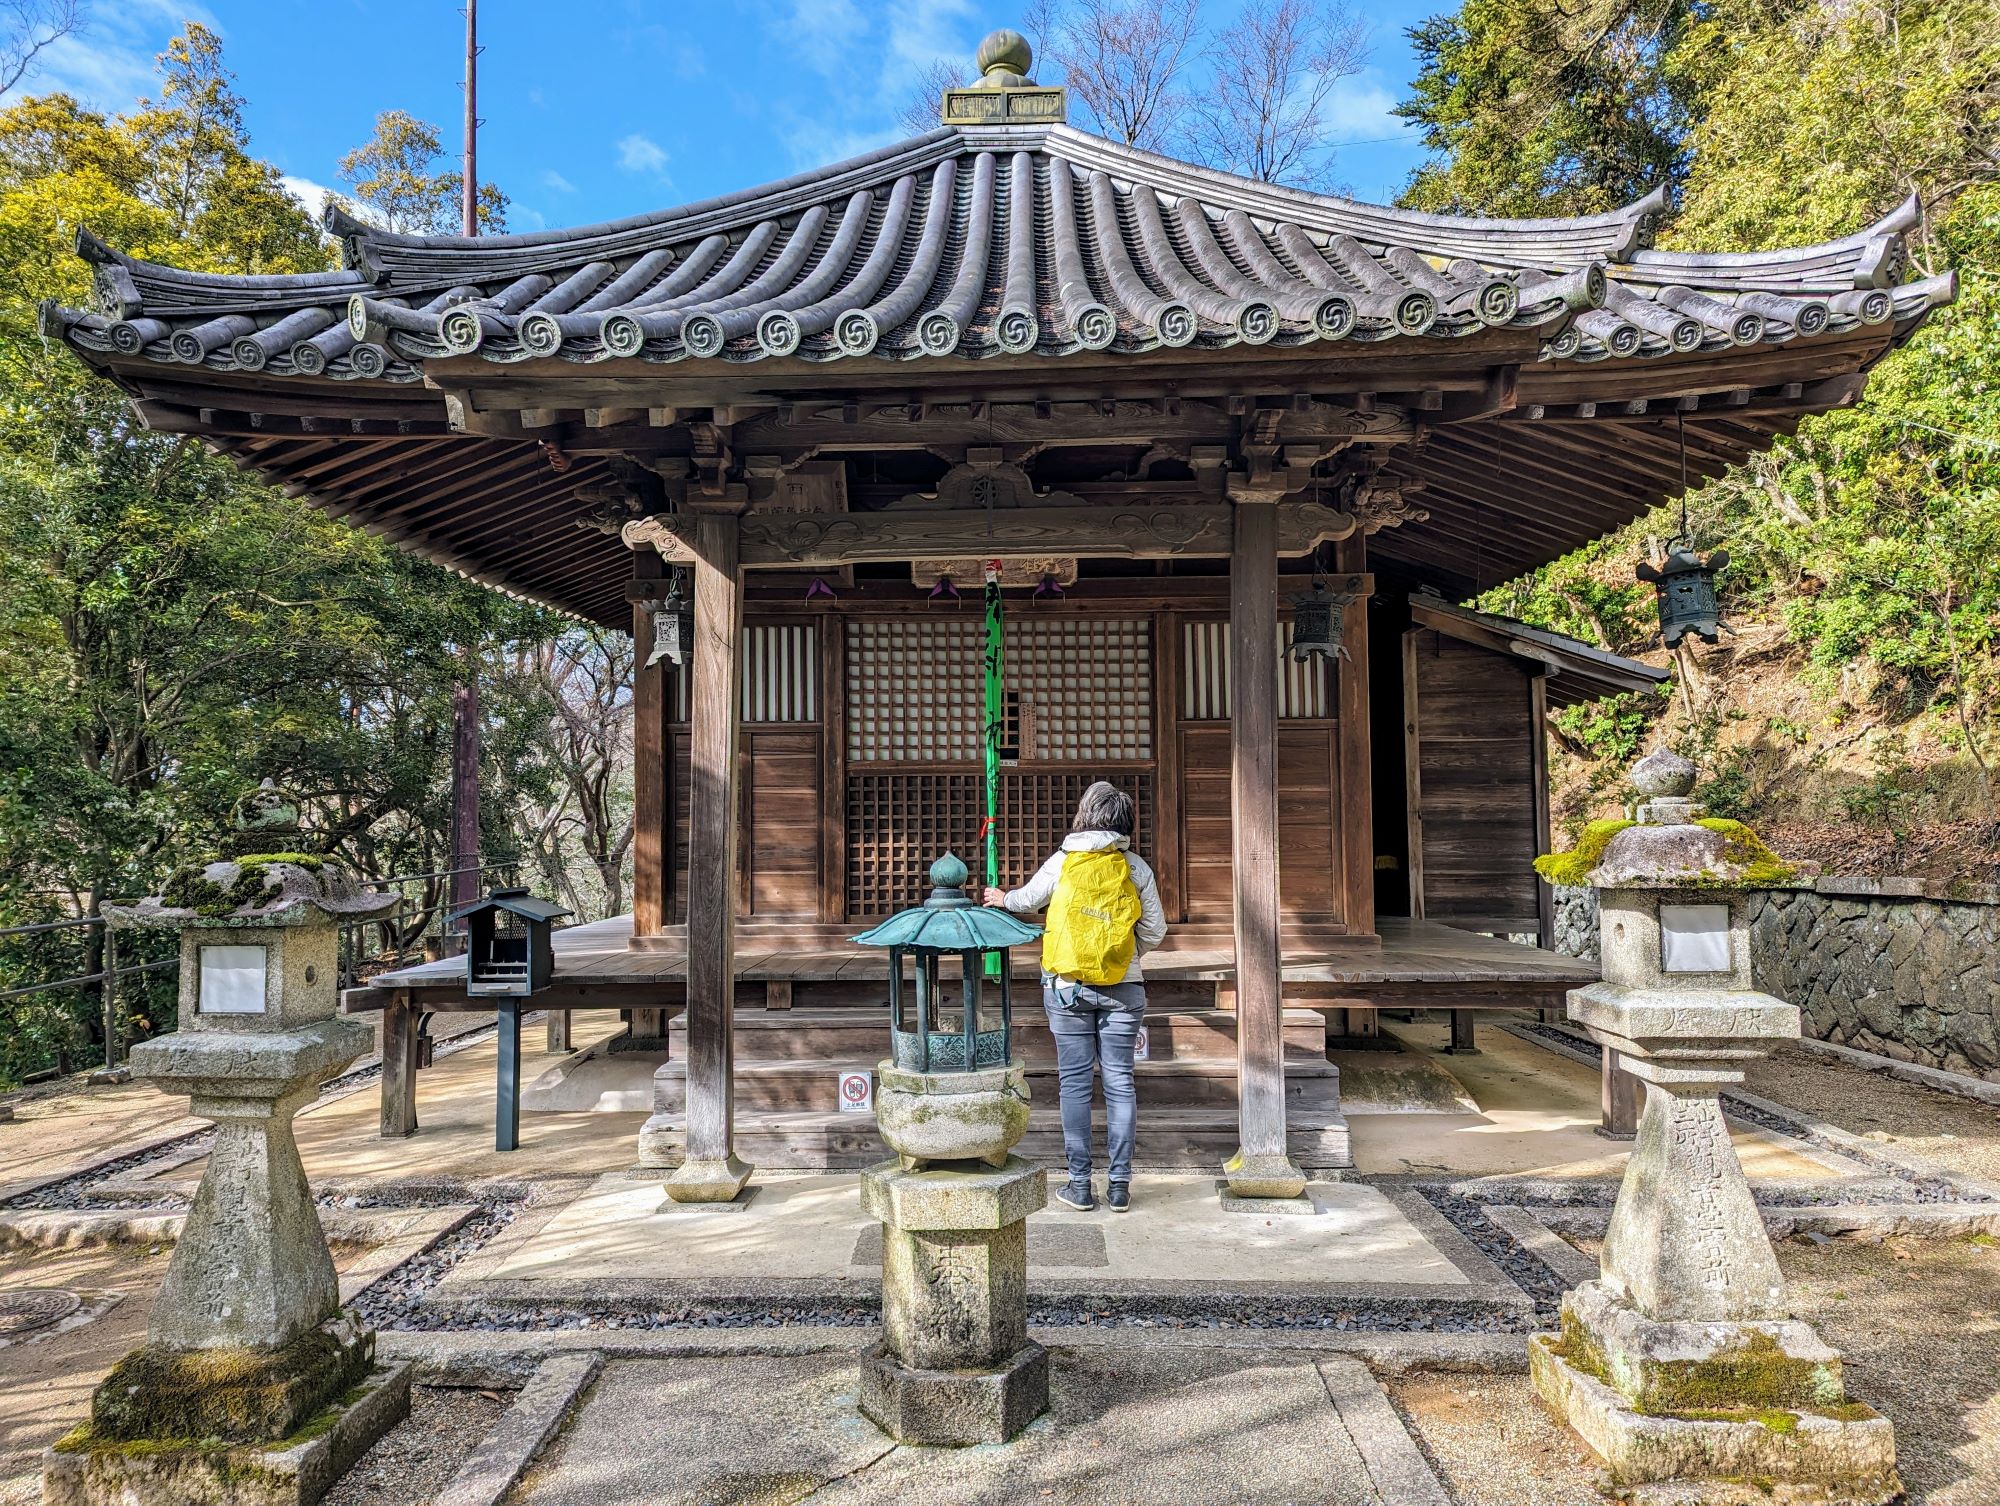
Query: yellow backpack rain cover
{"type": "Point", "coordinates": [1092, 918]}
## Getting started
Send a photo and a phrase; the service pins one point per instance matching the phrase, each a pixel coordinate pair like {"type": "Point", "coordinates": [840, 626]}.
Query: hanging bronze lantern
{"type": "Point", "coordinates": [673, 627]}
{"type": "Point", "coordinates": [1685, 585]}
{"type": "Point", "coordinates": [1319, 617]}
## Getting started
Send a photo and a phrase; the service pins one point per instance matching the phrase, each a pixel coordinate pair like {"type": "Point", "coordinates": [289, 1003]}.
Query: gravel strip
{"type": "Point", "coordinates": [413, 1460]}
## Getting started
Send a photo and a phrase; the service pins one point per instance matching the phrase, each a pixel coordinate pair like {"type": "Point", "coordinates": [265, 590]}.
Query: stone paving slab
{"type": "Point", "coordinates": [1214, 1428]}
{"type": "Point", "coordinates": [811, 1225]}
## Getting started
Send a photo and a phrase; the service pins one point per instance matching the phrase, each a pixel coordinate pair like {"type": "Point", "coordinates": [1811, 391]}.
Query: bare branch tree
{"type": "Point", "coordinates": [920, 111]}
{"type": "Point", "coordinates": [30, 28]}
{"type": "Point", "coordinates": [1123, 61]}
{"type": "Point", "coordinates": [1263, 113]}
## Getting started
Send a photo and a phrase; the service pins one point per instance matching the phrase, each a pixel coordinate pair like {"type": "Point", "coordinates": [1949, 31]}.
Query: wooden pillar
{"type": "Point", "coordinates": [1620, 1095]}
{"type": "Point", "coordinates": [1262, 1165]}
{"type": "Point", "coordinates": [557, 1021]}
{"type": "Point", "coordinates": [399, 1067]}
{"type": "Point", "coordinates": [1538, 773]}
{"type": "Point", "coordinates": [712, 1173]}
{"type": "Point", "coordinates": [1357, 775]}
{"type": "Point", "coordinates": [1413, 780]}
{"type": "Point", "coordinates": [652, 798]}
{"type": "Point", "coordinates": [1463, 1041]}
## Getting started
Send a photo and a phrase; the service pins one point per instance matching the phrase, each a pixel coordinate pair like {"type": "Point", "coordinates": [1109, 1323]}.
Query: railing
{"type": "Point", "coordinates": [394, 946]}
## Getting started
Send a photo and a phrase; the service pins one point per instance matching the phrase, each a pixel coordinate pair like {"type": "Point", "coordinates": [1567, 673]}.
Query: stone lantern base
{"type": "Point", "coordinates": [955, 1365]}
{"type": "Point", "coordinates": [1712, 1412]}
{"type": "Point", "coordinates": [200, 1465]}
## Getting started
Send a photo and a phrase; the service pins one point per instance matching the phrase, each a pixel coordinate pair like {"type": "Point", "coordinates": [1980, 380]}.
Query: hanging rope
{"type": "Point", "coordinates": [1681, 430]}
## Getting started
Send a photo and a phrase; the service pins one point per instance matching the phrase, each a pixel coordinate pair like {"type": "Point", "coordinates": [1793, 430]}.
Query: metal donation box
{"type": "Point", "coordinates": [507, 948]}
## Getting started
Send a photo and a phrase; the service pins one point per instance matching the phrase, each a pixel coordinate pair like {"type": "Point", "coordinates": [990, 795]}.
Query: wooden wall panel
{"type": "Point", "coordinates": [1308, 822]}
{"type": "Point", "coordinates": [1475, 778]}
{"type": "Point", "coordinates": [782, 842]}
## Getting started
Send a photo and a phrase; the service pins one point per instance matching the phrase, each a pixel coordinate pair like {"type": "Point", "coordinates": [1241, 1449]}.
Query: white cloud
{"type": "Point", "coordinates": [109, 63]}
{"type": "Point", "coordinates": [922, 33]}
{"type": "Point", "coordinates": [825, 35]}
{"type": "Point", "coordinates": [1358, 109]}
{"type": "Point", "coordinates": [307, 192]}
{"type": "Point", "coordinates": [551, 179]}
{"type": "Point", "coordinates": [873, 58]}
{"type": "Point", "coordinates": [638, 153]}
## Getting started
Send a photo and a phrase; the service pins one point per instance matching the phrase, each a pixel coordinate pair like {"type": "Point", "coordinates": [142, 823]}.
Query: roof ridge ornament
{"type": "Point", "coordinates": [1004, 94]}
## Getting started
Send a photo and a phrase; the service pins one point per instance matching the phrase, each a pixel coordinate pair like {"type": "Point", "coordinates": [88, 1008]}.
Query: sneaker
{"type": "Point", "coordinates": [1076, 1195]}
{"type": "Point", "coordinates": [1119, 1196]}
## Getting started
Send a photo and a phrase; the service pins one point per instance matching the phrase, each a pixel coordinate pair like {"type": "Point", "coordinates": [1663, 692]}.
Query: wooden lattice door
{"type": "Point", "coordinates": [1079, 706]}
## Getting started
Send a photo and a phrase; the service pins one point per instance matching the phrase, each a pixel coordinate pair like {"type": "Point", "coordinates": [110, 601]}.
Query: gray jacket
{"type": "Point", "coordinates": [1039, 890]}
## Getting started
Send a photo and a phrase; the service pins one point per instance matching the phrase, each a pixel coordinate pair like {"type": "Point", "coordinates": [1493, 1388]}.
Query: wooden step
{"type": "Point", "coordinates": [828, 1034]}
{"type": "Point", "coordinates": [1167, 1140]}
{"type": "Point", "coordinates": [795, 1085]}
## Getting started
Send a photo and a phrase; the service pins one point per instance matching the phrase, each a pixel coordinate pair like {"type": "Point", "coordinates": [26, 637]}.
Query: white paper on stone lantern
{"type": "Point", "coordinates": [1694, 938]}
{"type": "Point", "coordinates": [232, 980]}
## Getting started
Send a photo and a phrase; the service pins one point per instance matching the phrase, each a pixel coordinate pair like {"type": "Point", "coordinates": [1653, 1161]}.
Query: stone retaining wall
{"type": "Point", "coordinates": [1884, 965]}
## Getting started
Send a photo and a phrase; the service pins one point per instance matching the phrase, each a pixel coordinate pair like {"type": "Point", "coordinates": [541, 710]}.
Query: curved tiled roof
{"type": "Point", "coordinates": [972, 242]}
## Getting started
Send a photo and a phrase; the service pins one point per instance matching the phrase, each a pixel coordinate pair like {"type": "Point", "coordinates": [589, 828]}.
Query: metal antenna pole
{"type": "Point", "coordinates": [469, 187]}
{"type": "Point", "coordinates": [463, 884]}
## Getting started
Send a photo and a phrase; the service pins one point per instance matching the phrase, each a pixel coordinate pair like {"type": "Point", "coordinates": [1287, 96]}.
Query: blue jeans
{"type": "Point", "coordinates": [1096, 1028]}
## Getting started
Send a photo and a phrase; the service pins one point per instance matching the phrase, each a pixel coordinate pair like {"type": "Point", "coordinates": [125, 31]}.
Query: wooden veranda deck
{"type": "Point", "coordinates": [1415, 961]}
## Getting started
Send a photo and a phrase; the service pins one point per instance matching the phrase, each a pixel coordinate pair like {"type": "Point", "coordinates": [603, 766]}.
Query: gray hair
{"type": "Point", "coordinates": [1104, 807]}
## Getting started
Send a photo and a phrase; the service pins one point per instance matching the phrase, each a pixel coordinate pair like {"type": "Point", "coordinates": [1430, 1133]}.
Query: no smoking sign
{"type": "Point", "coordinates": [857, 1092]}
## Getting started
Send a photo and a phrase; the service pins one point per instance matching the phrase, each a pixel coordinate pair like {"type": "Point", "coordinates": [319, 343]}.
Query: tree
{"type": "Point", "coordinates": [573, 762]}
{"type": "Point", "coordinates": [1867, 540]}
{"type": "Point", "coordinates": [1536, 109]}
{"type": "Point", "coordinates": [1124, 62]}
{"type": "Point", "coordinates": [28, 28]}
{"type": "Point", "coordinates": [1262, 114]}
{"type": "Point", "coordinates": [171, 631]}
{"type": "Point", "coordinates": [398, 182]}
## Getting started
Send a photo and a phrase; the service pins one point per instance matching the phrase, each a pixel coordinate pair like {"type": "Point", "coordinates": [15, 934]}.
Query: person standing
{"type": "Point", "coordinates": [1104, 915]}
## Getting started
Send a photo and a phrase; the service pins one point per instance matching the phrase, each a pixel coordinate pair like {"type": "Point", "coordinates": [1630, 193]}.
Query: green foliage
{"type": "Point", "coordinates": [171, 631]}
{"type": "Point", "coordinates": [1727, 792]}
{"type": "Point", "coordinates": [396, 176]}
{"type": "Point", "coordinates": [1535, 109]}
{"type": "Point", "coordinates": [1612, 728]}
{"type": "Point", "coordinates": [1872, 534]}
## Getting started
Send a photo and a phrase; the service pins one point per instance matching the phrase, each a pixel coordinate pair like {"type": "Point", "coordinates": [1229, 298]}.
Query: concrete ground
{"type": "Point", "coordinates": [1192, 1419]}
{"type": "Point", "coordinates": [1536, 1112]}
{"type": "Point", "coordinates": [804, 1224]}
{"type": "Point", "coordinates": [1166, 1429]}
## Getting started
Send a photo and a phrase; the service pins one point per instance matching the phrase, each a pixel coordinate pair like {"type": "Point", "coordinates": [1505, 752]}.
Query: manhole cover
{"type": "Point", "coordinates": [35, 1307]}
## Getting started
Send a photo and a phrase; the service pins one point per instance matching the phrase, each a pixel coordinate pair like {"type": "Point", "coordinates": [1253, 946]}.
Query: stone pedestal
{"type": "Point", "coordinates": [1682, 1366]}
{"type": "Point", "coordinates": [709, 1181]}
{"type": "Point", "coordinates": [955, 1365]}
{"type": "Point", "coordinates": [253, 1387]}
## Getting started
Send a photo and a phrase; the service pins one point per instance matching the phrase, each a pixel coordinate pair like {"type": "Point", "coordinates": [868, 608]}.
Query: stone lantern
{"type": "Point", "coordinates": [955, 1365]}
{"type": "Point", "coordinates": [248, 1349]}
{"type": "Point", "coordinates": [950, 1089]}
{"type": "Point", "coordinates": [1682, 1363]}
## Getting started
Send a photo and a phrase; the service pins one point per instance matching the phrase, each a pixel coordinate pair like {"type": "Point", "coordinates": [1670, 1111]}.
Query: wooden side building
{"type": "Point", "coordinates": [1165, 397]}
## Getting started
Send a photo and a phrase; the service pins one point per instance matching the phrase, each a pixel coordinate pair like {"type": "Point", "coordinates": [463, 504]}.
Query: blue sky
{"type": "Point", "coordinates": [599, 108]}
